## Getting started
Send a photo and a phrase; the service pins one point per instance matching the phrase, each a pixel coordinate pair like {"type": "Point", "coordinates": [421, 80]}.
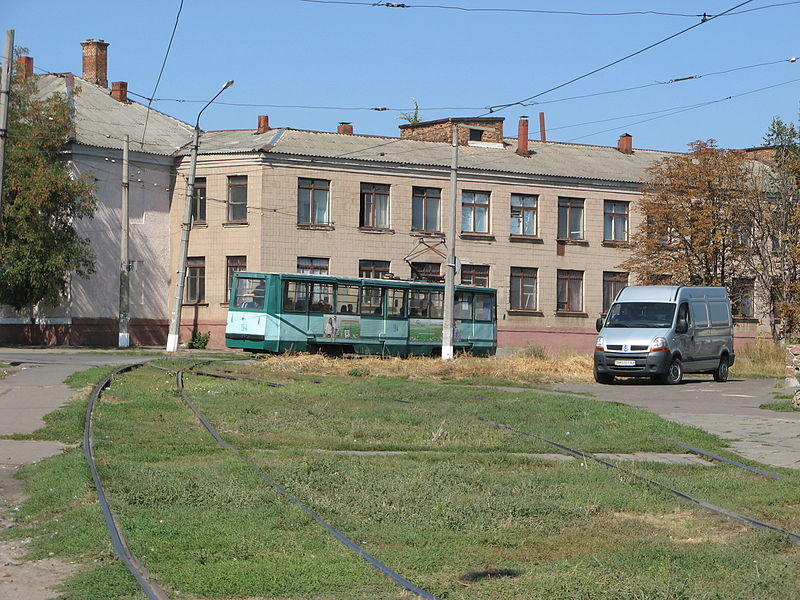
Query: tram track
{"type": "Point", "coordinates": [154, 591]}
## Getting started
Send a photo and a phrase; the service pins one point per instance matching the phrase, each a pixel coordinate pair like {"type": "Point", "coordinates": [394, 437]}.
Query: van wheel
{"type": "Point", "coordinates": [604, 378]}
{"type": "Point", "coordinates": [674, 374]}
{"type": "Point", "coordinates": [721, 373]}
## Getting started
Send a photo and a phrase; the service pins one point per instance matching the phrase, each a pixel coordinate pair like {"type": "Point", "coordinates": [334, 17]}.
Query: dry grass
{"type": "Point", "coordinates": [532, 365]}
{"type": "Point", "coordinates": [762, 358]}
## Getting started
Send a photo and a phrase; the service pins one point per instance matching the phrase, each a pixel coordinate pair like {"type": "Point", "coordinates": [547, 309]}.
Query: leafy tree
{"type": "Point", "coordinates": [693, 231]}
{"type": "Point", "coordinates": [39, 246]}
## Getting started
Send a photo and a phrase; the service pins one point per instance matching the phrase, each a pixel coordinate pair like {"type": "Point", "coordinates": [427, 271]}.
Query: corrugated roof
{"type": "Point", "coordinates": [103, 121]}
{"type": "Point", "coordinates": [549, 159]}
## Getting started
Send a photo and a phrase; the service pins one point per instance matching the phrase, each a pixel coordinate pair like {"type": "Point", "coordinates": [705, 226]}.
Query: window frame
{"type": "Point", "coordinates": [569, 277]}
{"type": "Point", "coordinates": [611, 287]}
{"type": "Point", "coordinates": [312, 187]}
{"type": "Point", "coordinates": [421, 195]}
{"type": "Point", "coordinates": [373, 269]}
{"type": "Point", "coordinates": [232, 204]}
{"type": "Point", "coordinates": [611, 218]}
{"type": "Point", "coordinates": [422, 274]}
{"type": "Point", "coordinates": [566, 216]}
{"type": "Point", "coordinates": [473, 274]}
{"type": "Point", "coordinates": [230, 269]}
{"type": "Point", "coordinates": [315, 265]}
{"type": "Point", "coordinates": [523, 209]}
{"type": "Point", "coordinates": [522, 274]}
{"type": "Point", "coordinates": [369, 195]}
{"type": "Point", "coordinates": [743, 288]}
{"type": "Point", "coordinates": [195, 280]}
{"type": "Point", "coordinates": [199, 202]}
{"type": "Point", "coordinates": [470, 205]}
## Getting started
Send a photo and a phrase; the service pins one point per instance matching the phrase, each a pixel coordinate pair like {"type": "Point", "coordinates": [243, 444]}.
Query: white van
{"type": "Point", "coordinates": [663, 332]}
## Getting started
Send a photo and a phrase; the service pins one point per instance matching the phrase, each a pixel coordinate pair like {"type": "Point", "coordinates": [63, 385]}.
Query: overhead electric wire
{"type": "Point", "coordinates": [496, 108]}
{"type": "Point", "coordinates": [542, 11]}
{"type": "Point", "coordinates": [161, 72]}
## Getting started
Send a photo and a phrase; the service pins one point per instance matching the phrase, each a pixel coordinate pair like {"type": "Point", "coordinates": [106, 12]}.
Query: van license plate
{"type": "Point", "coordinates": [625, 363]}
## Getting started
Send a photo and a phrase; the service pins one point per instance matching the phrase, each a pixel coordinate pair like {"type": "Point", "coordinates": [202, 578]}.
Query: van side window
{"type": "Point", "coordinates": [719, 314]}
{"type": "Point", "coordinates": [700, 314]}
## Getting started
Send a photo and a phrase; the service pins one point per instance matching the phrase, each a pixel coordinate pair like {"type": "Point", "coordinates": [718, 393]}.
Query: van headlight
{"type": "Point", "coordinates": [600, 343]}
{"type": "Point", "coordinates": [659, 344]}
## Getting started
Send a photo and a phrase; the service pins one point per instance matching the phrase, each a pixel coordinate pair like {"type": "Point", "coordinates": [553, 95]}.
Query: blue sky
{"type": "Point", "coordinates": [455, 63]}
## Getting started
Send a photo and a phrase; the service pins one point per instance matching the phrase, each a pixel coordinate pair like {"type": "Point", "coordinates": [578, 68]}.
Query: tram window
{"type": "Point", "coordinates": [437, 305]}
{"type": "Point", "coordinates": [397, 303]}
{"type": "Point", "coordinates": [249, 293]}
{"type": "Point", "coordinates": [347, 299]}
{"type": "Point", "coordinates": [321, 297]}
{"type": "Point", "coordinates": [371, 300]}
{"type": "Point", "coordinates": [463, 306]}
{"type": "Point", "coordinates": [483, 307]}
{"type": "Point", "coordinates": [294, 296]}
{"type": "Point", "coordinates": [418, 305]}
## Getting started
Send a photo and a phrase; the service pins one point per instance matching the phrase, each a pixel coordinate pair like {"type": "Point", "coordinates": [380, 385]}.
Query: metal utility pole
{"type": "Point", "coordinates": [124, 268]}
{"type": "Point", "coordinates": [450, 267]}
{"type": "Point", "coordinates": [180, 278]}
{"type": "Point", "coordinates": [5, 89]}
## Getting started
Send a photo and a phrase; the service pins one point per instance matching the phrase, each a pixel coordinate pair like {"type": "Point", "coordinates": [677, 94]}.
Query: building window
{"type": "Point", "coordinates": [237, 198]}
{"type": "Point", "coordinates": [199, 200]}
{"type": "Point", "coordinates": [615, 221]}
{"type": "Point", "coordinates": [523, 215]}
{"type": "Point", "coordinates": [743, 298]}
{"type": "Point", "coordinates": [569, 291]}
{"type": "Point", "coordinates": [475, 212]}
{"type": "Point", "coordinates": [373, 269]}
{"type": "Point", "coordinates": [523, 288]}
{"type": "Point", "coordinates": [475, 135]}
{"type": "Point", "coordinates": [422, 271]}
{"type": "Point", "coordinates": [475, 275]}
{"type": "Point", "coordinates": [374, 206]}
{"type": "Point", "coordinates": [312, 266]}
{"type": "Point", "coordinates": [195, 280]}
{"type": "Point", "coordinates": [425, 209]}
{"type": "Point", "coordinates": [570, 218]}
{"type": "Point", "coordinates": [612, 284]}
{"type": "Point", "coordinates": [313, 198]}
{"type": "Point", "coordinates": [233, 264]}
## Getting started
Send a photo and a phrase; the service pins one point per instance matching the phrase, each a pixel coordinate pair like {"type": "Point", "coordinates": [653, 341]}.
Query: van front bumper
{"type": "Point", "coordinates": [631, 364]}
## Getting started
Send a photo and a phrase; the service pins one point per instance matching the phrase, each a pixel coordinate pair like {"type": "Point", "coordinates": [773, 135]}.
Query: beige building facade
{"type": "Point", "coordinates": [546, 224]}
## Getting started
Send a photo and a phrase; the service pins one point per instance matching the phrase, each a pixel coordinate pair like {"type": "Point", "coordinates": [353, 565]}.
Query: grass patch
{"type": "Point", "coordinates": [457, 507]}
{"type": "Point", "coordinates": [763, 359]}
{"type": "Point", "coordinates": [780, 406]}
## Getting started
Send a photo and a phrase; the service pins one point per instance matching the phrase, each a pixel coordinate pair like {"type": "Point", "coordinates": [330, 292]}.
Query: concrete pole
{"type": "Point", "coordinates": [5, 89]}
{"type": "Point", "coordinates": [124, 265]}
{"type": "Point", "coordinates": [450, 267]}
{"type": "Point", "coordinates": [177, 303]}
{"type": "Point", "coordinates": [175, 321]}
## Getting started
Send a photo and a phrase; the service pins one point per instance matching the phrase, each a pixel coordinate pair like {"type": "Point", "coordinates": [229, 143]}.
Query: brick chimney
{"type": "Point", "coordinates": [542, 128]}
{"type": "Point", "coordinates": [119, 91]}
{"type": "Point", "coordinates": [25, 66]}
{"type": "Point", "coordinates": [263, 124]}
{"type": "Point", "coordinates": [95, 62]}
{"type": "Point", "coordinates": [625, 144]}
{"type": "Point", "coordinates": [522, 136]}
{"type": "Point", "coordinates": [345, 128]}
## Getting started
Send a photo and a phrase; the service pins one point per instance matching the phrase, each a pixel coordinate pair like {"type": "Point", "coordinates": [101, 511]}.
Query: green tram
{"type": "Point", "coordinates": [273, 312]}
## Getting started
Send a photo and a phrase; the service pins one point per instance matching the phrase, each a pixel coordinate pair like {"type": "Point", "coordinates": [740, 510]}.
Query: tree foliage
{"type": "Point", "coordinates": [41, 201]}
{"type": "Point", "coordinates": [693, 231]}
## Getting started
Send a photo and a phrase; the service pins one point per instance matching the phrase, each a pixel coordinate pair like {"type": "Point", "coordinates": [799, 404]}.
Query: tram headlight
{"type": "Point", "coordinates": [600, 343]}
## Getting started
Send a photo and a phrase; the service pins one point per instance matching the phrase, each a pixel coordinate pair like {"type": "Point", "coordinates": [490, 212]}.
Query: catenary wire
{"type": "Point", "coordinates": [704, 20]}
{"type": "Point", "coordinates": [161, 72]}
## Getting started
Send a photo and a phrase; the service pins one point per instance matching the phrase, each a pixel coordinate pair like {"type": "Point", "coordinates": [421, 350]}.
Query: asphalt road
{"type": "Point", "coordinates": [729, 410]}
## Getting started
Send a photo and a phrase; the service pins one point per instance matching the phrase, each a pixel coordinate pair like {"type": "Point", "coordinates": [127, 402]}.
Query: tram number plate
{"type": "Point", "coordinates": [625, 363]}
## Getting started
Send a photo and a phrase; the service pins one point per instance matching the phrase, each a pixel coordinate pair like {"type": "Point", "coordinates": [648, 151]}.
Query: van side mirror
{"type": "Point", "coordinates": [599, 323]}
{"type": "Point", "coordinates": [682, 326]}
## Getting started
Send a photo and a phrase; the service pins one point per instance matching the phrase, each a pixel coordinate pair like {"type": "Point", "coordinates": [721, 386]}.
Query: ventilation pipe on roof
{"type": "Point", "coordinates": [345, 128]}
{"type": "Point", "coordinates": [119, 91]}
{"type": "Point", "coordinates": [542, 129]}
{"type": "Point", "coordinates": [25, 66]}
{"type": "Point", "coordinates": [522, 136]}
{"type": "Point", "coordinates": [95, 62]}
{"type": "Point", "coordinates": [263, 124]}
{"type": "Point", "coordinates": [625, 144]}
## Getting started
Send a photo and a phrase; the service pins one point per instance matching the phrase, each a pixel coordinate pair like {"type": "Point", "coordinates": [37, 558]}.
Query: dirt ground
{"type": "Point", "coordinates": [21, 580]}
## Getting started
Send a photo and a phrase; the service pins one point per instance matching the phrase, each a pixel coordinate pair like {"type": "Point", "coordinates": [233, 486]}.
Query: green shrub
{"type": "Point", "coordinates": [199, 340]}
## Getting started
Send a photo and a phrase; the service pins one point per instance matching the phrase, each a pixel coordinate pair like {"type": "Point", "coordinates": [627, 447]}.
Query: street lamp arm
{"type": "Point", "coordinates": [228, 84]}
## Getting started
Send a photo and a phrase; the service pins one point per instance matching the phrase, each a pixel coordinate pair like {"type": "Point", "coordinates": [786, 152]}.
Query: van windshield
{"type": "Point", "coordinates": [641, 314]}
